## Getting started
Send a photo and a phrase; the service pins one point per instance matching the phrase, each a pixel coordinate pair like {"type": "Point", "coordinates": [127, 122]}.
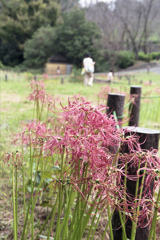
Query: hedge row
{"type": "Point", "coordinates": [149, 56]}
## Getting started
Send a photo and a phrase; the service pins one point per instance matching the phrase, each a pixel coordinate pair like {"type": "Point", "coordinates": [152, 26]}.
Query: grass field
{"type": "Point", "coordinates": [16, 108]}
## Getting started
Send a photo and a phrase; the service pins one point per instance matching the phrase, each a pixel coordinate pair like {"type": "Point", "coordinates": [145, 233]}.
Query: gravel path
{"type": "Point", "coordinates": [154, 69]}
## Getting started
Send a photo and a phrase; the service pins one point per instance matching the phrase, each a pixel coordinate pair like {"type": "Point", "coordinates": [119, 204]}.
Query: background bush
{"type": "Point", "coordinates": [144, 57]}
{"type": "Point", "coordinates": [76, 76]}
{"type": "Point", "coordinates": [125, 59]}
{"type": "Point", "coordinates": [155, 55]}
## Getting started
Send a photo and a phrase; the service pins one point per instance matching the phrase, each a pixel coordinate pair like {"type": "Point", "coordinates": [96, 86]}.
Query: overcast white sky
{"type": "Point", "coordinates": [82, 2]}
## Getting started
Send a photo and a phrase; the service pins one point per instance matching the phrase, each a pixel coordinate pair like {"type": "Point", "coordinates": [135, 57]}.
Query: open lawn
{"type": "Point", "coordinates": [16, 108]}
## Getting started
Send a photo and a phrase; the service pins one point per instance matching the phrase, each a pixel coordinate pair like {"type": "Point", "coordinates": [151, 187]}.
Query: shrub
{"type": "Point", "coordinates": [1, 65]}
{"type": "Point", "coordinates": [76, 76]}
{"type": "Point", "coordinates": [155, 55]}
{"type": "Point", "coordinates": [125, 59]}
{"type": "Point", "coordinates": [144, 57]}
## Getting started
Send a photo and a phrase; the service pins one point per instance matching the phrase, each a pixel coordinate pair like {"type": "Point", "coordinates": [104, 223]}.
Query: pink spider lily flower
{"type": "Point", "coordinates": [39, 93]}
{"type": "Point", "coordinates": [33, 133]}
{"type": "Point", "coordinates": [15, 159]}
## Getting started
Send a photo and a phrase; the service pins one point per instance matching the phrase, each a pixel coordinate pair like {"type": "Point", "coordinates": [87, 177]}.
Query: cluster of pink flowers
{"type": "Point", "coordinates": [15, 159]}
{"type": "Point", "coordinates": [87, 133]}
{"type": "Point", "coordinates": [39, 93]}
{"type": "Point", "coordinates": [33, 133]}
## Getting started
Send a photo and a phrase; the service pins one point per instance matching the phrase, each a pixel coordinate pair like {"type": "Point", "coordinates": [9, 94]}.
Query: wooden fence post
{"type": "Point", "coordinates": [148, 139]}
{"type": "Point", "coordinates": [134, 107]}
{"type": "Point", "coordinates": [62, 80]}
{"type": "Point", "coordinates": [115, 104]}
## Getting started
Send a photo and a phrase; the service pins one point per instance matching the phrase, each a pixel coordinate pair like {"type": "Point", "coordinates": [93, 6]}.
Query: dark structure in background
{"type": "Point", "coordinates": [58, 62]}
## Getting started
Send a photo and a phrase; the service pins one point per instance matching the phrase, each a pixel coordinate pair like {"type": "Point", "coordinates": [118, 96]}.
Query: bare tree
{"type": "Point", "coordinates": [151, 9]}
{"type": "Point", "coordinates": [126, 24]}
{"type": "Point", "coordinates": [111, 29]}
{"type": "Point", "coordinates": [137, 17]}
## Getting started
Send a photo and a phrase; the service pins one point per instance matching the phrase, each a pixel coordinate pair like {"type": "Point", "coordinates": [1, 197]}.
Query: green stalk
{"type": "Point", "coordinates": [52, 219]}
{"type": "Point", "coordinates": [80, 219]}
{"type": "Point", "coordinates": [16, 194]}
{"type": "Point", "coordinates": [105, 230]}
{"type": "Point", "coordinates": [40, 112]}
{"type": "Point", "coordinates": [37, 110]}
{"type": "Point", "coordinates": [95, 227]}
{"type": "Point", "coordinates": [26, 219]}
{"type": "Point", "coordinates": [92, 224]}
{"type": "Point", "coordinates": [72, 225]}
{"type": "Point", "coordinates": [24, 198]}
{"type": "Point", "coordinates": [154, 220]}
{"type": "Point", "coordinates": [33, 200]}
{"type": "Point", "coordinates": [32, 214]}
{"type": "Point", "coordinates": [134, 224]}
{"type": "Point", "coordinates": [110, 224]}
{"type": "Point", "coordinates": [116, 157]}
{"type": "Point", "coordinates": [67, 212]}
{"type": "Point", "coordinates": [52, 213]}
{"type": "Point", "coordinates": [60, 202]}
{"type": "Point", "coordinates": [123, 226]}
{"type": "Point", "coordinates": [125, 188]}
{"type": "Point", "coordinates": [84, 219]}
{"type": "Point", "coordinates": [14, 208]}
{"type": "Point", "coordinates": [31, 220]}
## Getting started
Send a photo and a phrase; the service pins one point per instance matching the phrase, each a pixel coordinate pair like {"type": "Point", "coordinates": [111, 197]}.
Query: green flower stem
{"type": "Point", "coordinates": [125, 189]}
{"type": "Point", "coordinates": [81, 219]}
{"type": "Point", "coordinates": [24, 193]}
{"type": "Point", "coordinates": [93, 227]}
{"type": "Point", "coordinates": [116, 157]}
{"type": "Point", "coordinates": [73, 221]}
{"type": "Point", "coordinates": [52, 219]}
{"type": "Point", "coordinates": [123, 226]}
{"type": "Point", "coordinates": [31, 220]}
{"type": "Point", "coordinates": [152, 233]}
{"type": "Point", "coordinates": [25, 223]}
{"type": "Point", "coordinates": [52, 213]}
{"type": "Point", "coordinates": [109, 221]}
{"type": "Point", "coordinates": [16, 195]}
{"type": "Point", "coordinates": [33, 201]}
{"type": "Point", "coordinates": [70, 202]}
{"type": "Point", "coordinates": [41, 111]}
{"type": "Point", "coordinates": [85, 217]}
{"type": "Point", "coordinates": [14, 207]}
{"type": "Point", "coordinates": [135, 220]}
{"type": "Point", "coordinates": [60, 203]}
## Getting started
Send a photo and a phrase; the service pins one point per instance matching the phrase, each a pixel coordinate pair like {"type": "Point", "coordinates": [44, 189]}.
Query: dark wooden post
{"type": "Point", "coordinates": [115, 104]}
{"type": "Point", "coordinates": [149, 139]}
{"type": "Point", "coordinates": [62, 80]}
{"type": "Point", "coordinates": [134, 107]}
{"type": "Point", "coordinates": [6, 77]}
